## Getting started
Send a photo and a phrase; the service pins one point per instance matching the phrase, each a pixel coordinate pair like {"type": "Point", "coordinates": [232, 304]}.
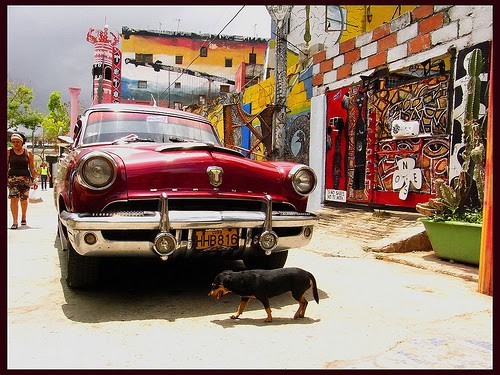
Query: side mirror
{"type": "Point", "coordinates": [65, 139]}
{"type": "Point", "coordinates": [78, 127]}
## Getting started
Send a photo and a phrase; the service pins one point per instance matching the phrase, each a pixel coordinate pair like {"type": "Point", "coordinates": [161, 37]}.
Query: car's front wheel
{"type": "Point", "coordinates": [82, 272]}
{"type": "Point", "coordinates": [266, 262]}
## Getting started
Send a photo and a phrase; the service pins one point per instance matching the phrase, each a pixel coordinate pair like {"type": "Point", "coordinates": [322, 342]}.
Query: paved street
{"type": "Point", "coordinates": [373, 313]}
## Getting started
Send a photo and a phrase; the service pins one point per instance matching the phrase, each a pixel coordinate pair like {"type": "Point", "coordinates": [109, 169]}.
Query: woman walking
{"type": "Point", "coordinates": [21, 171]}
{"type": "Point", "coordinates": [44, 174]}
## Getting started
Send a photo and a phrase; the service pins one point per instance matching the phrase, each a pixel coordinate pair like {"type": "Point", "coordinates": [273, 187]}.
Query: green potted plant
{"type": "Point", "coordinates": [454, 218]}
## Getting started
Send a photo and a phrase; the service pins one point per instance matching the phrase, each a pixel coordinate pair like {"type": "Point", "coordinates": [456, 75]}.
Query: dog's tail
{"type": "Point", "coordinates": [314, 288]}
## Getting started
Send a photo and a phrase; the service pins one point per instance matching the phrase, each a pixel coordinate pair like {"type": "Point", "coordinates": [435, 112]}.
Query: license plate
{"type": "Point", "coordinates": [335, 195]}
{"type": "Point", "coordinates": [216, 239]}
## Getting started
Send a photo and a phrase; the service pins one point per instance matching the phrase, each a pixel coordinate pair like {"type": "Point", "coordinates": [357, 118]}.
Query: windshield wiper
{"type": "Point", "coordinates": [132, 138]}
{"type": "Point", "coordinates": [177, 139]}
{"type": "Point", "coordinates": [143, 140]}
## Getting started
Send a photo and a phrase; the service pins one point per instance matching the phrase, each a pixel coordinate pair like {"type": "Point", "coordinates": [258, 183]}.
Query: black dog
{"type": "Point", "coordinates": [264, 284]}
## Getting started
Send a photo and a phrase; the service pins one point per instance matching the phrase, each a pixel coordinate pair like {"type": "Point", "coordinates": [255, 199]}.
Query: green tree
{"type": "Point", "coordinates": [57, 122]}
{"type": "Point", "coordinates": [19, 111]}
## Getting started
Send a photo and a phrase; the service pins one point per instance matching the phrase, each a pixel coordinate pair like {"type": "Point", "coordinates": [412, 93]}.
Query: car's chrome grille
{"type": "Point", "coordinates": [118, 213]}
{"type": "Point", "coordinates": [195, 205]}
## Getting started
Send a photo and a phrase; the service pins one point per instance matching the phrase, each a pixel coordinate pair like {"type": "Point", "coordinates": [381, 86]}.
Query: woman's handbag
{"type": "Point", "coordinates": [35, 196]}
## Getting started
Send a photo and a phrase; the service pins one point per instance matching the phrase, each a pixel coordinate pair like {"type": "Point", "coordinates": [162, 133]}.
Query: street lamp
{"type": "Point", "coordinates": [280, 15]}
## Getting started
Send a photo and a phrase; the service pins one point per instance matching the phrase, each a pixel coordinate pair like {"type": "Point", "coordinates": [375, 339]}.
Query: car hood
{"type": "Point", "coordinates": [183, 169]}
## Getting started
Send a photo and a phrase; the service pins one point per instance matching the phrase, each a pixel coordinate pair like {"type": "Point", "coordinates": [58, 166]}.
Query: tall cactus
{"type": "Point", "coordinates": [457, 200]}
{"type": "Point", "coordinates": [474, 153]}
{"type": "Point", "coordinates": [474, 86]}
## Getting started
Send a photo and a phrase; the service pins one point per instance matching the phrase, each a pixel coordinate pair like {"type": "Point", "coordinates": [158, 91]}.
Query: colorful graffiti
{"type": "Point", "coordinates": [374, 156]}
{"type": "Point", "coordinates": [399, 138]}
{"type": "Point", "coordinates": [425, 101]}
{"type": "Point", "coordinates": [297, 139]}
{"type": "Point", "coordinates": [430, 155]}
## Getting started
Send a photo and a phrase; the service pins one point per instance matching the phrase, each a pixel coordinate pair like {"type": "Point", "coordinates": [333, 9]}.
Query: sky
{"type": "Point", "coordinates": [47, 48]}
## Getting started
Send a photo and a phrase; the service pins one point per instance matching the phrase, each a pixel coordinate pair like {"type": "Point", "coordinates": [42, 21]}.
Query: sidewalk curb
{"type": "Point", "coordinates": [427, 260]}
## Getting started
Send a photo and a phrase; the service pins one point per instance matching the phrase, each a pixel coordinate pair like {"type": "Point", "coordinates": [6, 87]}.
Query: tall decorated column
{"type": "Point", "coordinates": [73, 92]}
{"type": "Point", "coordinates": [280, 15]}
{"type": "Point", "coordinates": [106, 70]}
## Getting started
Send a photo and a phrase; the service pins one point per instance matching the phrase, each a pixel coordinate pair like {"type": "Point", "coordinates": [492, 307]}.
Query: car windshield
{"type": "Point", "coordinates": [114, 126]}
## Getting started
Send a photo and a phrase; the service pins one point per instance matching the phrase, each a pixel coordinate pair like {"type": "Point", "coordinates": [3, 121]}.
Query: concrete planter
{"type": "Point", "coordinates": [454, 240]}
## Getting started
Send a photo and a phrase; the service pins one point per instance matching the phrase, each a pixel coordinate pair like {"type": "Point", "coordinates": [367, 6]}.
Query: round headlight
{"type": "Point", "coordinates": [303, 179]}
{"type": "Point", "coordinates": [97, 170]}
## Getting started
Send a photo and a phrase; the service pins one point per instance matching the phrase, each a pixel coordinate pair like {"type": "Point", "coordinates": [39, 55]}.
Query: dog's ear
{"type": "Point", "coordinates": [219, 279]}
{"type": "Point", "coordinates": [226, 277]}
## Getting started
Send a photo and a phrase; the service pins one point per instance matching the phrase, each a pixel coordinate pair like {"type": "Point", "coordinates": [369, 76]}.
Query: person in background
{"type": "Point", "coordinates": [44, 174]}
{"type": "Point", "coordinates": [20, 173]}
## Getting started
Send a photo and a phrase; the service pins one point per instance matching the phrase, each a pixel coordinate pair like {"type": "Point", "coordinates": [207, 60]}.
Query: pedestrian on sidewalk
{"type": "Point", "coordinates": [44, 174]}
{"type": "Point", "coordinates": [21, 173]}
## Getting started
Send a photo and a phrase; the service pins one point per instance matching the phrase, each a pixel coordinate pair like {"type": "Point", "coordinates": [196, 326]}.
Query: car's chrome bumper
{"type": "Point", "coordinates": [180, 225]}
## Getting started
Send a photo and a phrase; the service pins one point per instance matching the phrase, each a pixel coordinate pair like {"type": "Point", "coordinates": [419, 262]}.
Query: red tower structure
{"type": "Point", "coordinates": [106, 70]}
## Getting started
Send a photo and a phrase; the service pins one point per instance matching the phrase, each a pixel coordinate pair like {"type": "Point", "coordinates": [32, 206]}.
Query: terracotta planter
{"type": "Point", "coordinates": [454, 240]}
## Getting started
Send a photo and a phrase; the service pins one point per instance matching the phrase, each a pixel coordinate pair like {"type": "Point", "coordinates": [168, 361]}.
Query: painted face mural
{"type": "Point", "coordinates": [297, 140]}
{"type": "Point", "coordinates": [430, 156]}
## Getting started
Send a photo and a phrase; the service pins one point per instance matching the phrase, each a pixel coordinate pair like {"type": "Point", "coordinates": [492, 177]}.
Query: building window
{"type": "Point", "coordinates": [202, 99]}
{"type": "Point", "coordinates": [178, 59]}
{"type": "Point", "coordinates": [144, 57]}
{"type": "Point", "coordinates": [252, 58]}
{"type": "Point", "coordinates": [142, 84]}
{"type": "Point", "coordinates": [224, 88]}
{"type": "Point", "coordinates": [107, 73]}
{"type": "Point", "coordinates": [177, 85]}
{"type": "Point", "coordinates": [228, 63]}
{"type": "Point", "coordinates": [336, 18]}
{"type": "Point", "coordinates": [203, 52]}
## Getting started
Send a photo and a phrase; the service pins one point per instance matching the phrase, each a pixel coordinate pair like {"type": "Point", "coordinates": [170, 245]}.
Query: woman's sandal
{"type": "Point", "coordinates": [23, 222]}
{"type": "Point", "coordinates": [14, 226]}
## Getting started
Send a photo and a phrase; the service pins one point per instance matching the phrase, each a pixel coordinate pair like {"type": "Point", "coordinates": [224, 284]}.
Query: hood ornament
{"type": "Point", "coordinates": [215, 175]}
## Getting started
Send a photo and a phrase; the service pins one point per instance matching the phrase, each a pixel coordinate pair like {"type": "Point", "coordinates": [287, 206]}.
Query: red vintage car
{"type": "Point", "coordinates": [149, 181]}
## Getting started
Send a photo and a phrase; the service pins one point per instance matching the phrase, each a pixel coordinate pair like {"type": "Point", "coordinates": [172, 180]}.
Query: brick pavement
{"type": "Point", "coordinates": [360, 232]}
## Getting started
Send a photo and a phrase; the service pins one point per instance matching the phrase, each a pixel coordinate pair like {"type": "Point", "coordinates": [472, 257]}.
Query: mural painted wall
{"type": "Point", "coordinates": [406, 90]}
{"type": "Point", "coordinates": [330, 24]}
{"type": "Point", "coordinates": [179, 69]}
{"type": "Point", "coordinates": [366, 162]}
{"type": "Point", "coordinates": [395, 126]}
{"type": "Point", "coordinates": [297, 132]}
{"type": "Point", "coordinates": [388, 161]}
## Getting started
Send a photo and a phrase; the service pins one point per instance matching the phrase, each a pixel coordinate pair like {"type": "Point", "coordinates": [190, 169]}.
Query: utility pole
{"type": "Point", "coordinates": [280, 15]}
{"type": "Point", "coordinates": [178, 22]}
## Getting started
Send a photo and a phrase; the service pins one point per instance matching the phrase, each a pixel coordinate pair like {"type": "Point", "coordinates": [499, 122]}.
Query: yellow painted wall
{"type": "Point", "coordinates": [356, 18]}
{"type": "Point", "coordinates": [213, 63]}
